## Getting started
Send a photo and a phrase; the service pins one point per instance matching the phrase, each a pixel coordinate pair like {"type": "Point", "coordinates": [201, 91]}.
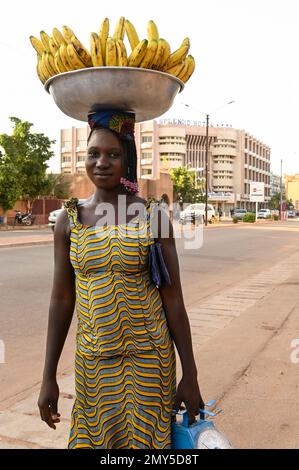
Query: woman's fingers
{"type": "Point", "coordinates": [46, 415]}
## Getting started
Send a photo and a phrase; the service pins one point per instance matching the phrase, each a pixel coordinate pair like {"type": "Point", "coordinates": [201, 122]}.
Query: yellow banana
{"type": "Point", "coordinates": [51, 63]}
{"type": "Point", "coordinates": [162, 51]}
{"type": "Point", "coordinates": [58, 63]}
{"type": "Point", "coordinates": [190, 68]}
{"type": "Point", "coordinates": [52, 47]}
{"type": "Point", "coordinates": [49, 72]}
{"type": "Point", "coordinates": [95, 49]}
{"type": "Point", "coordinates": [138, 54]}
{"type": "Point", "coordinates": [65, 58]}
{"type": "Point", "coordinates": [73, 58]}
{"type": "Point", "coordinates": [122, 58]}
{"type": "Point", "coordinates": [81, 51]}
{"type": "Point", "coordinates": [176, 70]}
{"type": "Point", "coordinates": [166, 54]}
{"type": "Point", "coordinates": [179, 55]}
{"type": "Point", "coordinates": [67, 33]}
{"type": "Point", "coordinates": [119, 31]}
{"type": "Point", "coordinates": [152, 31]}
{"type": "Point", "coordinates": [58, 37]}
{"type": "Point", "coordinates": [103, 36]}
{"type": "Point", "coordinates": [37, 45]}
{"type": "Point", "coordinates": [150, 54]}
{"type": "Point", "coordinates": [45, 72]}
{"type": "Point", "coordinates": [131, 34]}
{"type": "Point", "coordinates": [39, 70]}
{"type": "Point", "coordinates": [45, 40]}
{"type": "Point", "coordinates": [111, 57]}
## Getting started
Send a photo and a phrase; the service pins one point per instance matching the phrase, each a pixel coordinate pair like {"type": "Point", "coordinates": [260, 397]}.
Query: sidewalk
{"type": "Point", "coordinates": [246, 366]}
{"type": "Point", "coordinates": [13, 241]}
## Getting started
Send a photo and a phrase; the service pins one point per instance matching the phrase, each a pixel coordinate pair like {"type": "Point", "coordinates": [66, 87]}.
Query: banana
{"type": "Point", "coordinates": [152, 31]}
{"type": "Point", "coordinates": [73, 58]}
{"type": "Point", "coordinates": [162, 52]}
{"type": "Point", "coordinates": [39, 70]}
{"type": "Point", "coordinates": [111, 58]}
{"type": "Point", "coordinates": [65, 58]}
{"type": "Point", "coordinates": [190, 68]}
{"type": "Point", "coordinates": [95, 49]}
{"type": "Point", "coordinates": [166, 54]}
{"type": "Point", "coordinates": [51, 63]}
{"type": "Point", "coordinates": [58, 63]}
{"type": "Point", "coordinates": [150, 54]}
{"type": "Point", "coordinates": [52, 47]}
{"type": "Point", "coordinates": [119, 31]}
{"type": "Point", "coordinates": [179, 55]}
{"type": "Point", "coordinates": [58, 37]}
{"type": "Point", "coordinates": [49, 72]}
{"type": "Point", "coordinates": [37, 45]}
{"type": "Point", "coordinates": [122, 59]}
{"type": "Point", "coordinates": [138, 54]}
{"type": "Point", "coordinates": [67, 33]}
{"type": "Point", "coordinates": [103, 36]}
{"type": "Point", "coordinates": [176, 70]}
{"type": "Point", "coordinates": [45, 40]}
{"type": "Point", "coordinates": [131, 34]}
{"type": "Point", "coordinates": [81, 51]}
{"type": "Point", "coordinates": [43, 69]}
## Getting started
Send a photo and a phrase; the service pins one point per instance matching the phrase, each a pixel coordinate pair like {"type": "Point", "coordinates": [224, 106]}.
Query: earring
{"type": "Point", "coordinates": [129, 185]}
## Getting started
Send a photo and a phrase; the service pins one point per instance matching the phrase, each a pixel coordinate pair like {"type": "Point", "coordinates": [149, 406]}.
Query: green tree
{"type": "Point", "coordinates": [28, 153]}
{"type": "Point", "coordinates": [58, 185]}
{"type": "Point", "coordinates": [185, 188]}
{"type": "Point", "coordinates": [10, 188]}
{"type": "Point", "coordinates": [274, 202]}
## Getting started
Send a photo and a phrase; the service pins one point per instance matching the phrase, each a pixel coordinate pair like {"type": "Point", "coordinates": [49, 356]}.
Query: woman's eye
{"type": "Point", "coordinates": [114, 155]}
{"type": "Point", "coordinates": [92, 154]}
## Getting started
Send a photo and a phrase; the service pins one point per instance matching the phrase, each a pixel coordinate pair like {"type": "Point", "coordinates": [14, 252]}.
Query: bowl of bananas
{"type": "Point", "coordinates": [145, 80]}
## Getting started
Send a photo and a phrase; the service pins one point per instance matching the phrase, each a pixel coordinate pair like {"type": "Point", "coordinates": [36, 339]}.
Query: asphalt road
{"type": "Point", "coordinates": [227, 256]}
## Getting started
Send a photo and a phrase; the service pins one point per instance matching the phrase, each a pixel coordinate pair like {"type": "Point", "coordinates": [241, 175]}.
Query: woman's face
{"type": "Point", "coordinates": [105, 159]}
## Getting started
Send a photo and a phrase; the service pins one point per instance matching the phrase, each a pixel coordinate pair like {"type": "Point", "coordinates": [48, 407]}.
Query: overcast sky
{"type": "Point", "coordinates": [246, 50]}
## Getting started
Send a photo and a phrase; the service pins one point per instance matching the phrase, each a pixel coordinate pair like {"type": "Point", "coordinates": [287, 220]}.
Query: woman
{"type": "Point", "coordinates": [125, 367]}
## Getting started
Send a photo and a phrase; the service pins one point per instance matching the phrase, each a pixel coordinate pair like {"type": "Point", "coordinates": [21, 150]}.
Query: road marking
{"type": "Point", "coordinates": [215, 313]}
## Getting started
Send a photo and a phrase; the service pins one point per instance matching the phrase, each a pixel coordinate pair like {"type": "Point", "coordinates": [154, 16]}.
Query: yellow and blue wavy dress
{"type": "Point", "coordinates": [125, 365]}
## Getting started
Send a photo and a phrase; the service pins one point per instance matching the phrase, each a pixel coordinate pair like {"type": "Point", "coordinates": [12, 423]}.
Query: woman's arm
{"type": "Point", "coordinates": [178, 322]}
{"type": "Point", "coordinates": [61, 310]}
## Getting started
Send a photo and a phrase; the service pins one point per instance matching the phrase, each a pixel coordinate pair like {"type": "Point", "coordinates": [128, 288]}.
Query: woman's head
{"type": "Point", "coordinates": [111, 150]}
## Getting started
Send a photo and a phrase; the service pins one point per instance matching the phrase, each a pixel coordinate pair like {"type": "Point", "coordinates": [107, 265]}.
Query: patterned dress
{"type": "Point", "coordinates": [125, 364]}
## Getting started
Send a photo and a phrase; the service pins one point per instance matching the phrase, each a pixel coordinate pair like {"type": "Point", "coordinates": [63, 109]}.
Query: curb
{"type": "Point", "coordinates": [14, 245]}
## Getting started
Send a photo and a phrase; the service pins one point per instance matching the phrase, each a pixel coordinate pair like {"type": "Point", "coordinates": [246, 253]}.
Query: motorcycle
{"type": "Point", "coordinates": [24, 218]}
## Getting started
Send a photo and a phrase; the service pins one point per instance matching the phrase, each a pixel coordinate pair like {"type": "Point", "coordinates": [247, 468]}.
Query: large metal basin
{"type": "Point", "coordinates": [147, 93]}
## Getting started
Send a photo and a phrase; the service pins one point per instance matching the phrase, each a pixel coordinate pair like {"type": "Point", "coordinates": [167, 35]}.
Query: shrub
{"type": "Point", "coordinates": [249, 217]}
{"type": "Point", "coordinates": [235, 220]}
{"type": "Point", "coordinates": [275, 217]}
{"type": "Point", "coordinates": [269, 217]}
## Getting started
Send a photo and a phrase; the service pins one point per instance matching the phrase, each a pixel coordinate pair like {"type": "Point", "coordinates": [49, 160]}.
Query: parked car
{"type": "Point", "coordinates": [263, 213]}
{"type": "Point", "coordinates": [291, 214]}
{"type": "Point", "coordinates": [239, 213]}
{"type": "Point", "coordinates": [53, 215]}
{"type": "Point", "coordinates": [197, 212]}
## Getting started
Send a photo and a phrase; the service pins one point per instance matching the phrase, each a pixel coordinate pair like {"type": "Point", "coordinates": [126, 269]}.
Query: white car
{"type": "Point", "coordinates": [263, 213]}
{"type": "Point", "coordinates": [197, 212]}
{"type": "Point", "coordinates": [53, 216]}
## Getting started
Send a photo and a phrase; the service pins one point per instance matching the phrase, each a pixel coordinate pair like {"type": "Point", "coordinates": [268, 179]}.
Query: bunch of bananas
{"type": "Point", "coordinates": [63, 52]}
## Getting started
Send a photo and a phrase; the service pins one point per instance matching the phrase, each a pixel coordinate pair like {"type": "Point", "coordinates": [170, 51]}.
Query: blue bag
{"type": "Point", "coordinates": [201, 434]}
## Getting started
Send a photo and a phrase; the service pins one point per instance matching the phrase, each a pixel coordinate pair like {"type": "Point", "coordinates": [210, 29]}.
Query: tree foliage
{"type": "Point", "coordinates": [184, 186]}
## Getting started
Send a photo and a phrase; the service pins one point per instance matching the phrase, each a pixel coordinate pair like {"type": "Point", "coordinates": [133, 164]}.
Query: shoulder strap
{"type": "Point", "coordinates": [71, 209]}
{"type": "Point", "coordinates": [151, 207]}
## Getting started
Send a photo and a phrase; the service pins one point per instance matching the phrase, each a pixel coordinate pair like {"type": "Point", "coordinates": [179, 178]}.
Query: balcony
{"type": "Point", "coordinates": [66, 164]}
{"type": "Point", "coordinates": [146, 145]}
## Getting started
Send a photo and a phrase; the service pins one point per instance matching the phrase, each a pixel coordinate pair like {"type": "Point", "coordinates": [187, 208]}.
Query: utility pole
{"type": "Point", "coordinates": [207, 164]}
{"type": "Point", "coordinates": [280, 189]}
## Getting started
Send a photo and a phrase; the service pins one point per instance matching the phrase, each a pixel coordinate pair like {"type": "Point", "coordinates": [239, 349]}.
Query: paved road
{"type": "Point", "coordinates": [228, 256]}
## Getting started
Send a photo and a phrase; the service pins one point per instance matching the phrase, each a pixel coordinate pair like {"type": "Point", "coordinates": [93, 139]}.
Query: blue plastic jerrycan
{"type": "Point", "coordinates": [201, 434]}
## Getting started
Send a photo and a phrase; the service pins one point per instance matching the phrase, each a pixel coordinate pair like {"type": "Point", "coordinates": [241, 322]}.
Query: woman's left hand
{"type": "Point", "coordinates": [189, 393]}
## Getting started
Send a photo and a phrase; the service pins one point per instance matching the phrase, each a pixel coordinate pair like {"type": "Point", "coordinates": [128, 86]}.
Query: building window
{"type": "Point", "coordinates": [146, 155]}
{"type": "Point", "coordinates": [81, 158]}
{"type": "Point", "coordinates": [146, 171]}
{"type": "Point", "coordinates": [67, 158]}
{"type": "Point", "coordinates": [146, 138]}
{"type": "Point", "coordinates": [81, 143]}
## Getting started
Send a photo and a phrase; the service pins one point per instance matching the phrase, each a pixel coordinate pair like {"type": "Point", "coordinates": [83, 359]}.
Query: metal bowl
{"type": "Point", "coordinates": [147, 93]}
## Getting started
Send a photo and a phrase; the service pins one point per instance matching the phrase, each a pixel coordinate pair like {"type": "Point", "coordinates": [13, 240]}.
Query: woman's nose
{"type": "Point", "coordinates": [102, 161]}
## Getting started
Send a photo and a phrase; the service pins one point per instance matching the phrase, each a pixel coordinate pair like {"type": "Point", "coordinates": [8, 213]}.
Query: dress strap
{"type": "Point", "coordinates": [151, 207]}
{"type": "Point", "coordinates": [72, 211]}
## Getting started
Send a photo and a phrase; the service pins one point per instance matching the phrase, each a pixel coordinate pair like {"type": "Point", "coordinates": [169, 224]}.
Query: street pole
{"type": "Point", "coordinates": [207, 160]}
{"type": "Point", "coordinates": [280, 189]}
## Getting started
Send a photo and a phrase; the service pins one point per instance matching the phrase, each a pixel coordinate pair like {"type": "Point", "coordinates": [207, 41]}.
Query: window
{"type": "Point", "coordinates": [81, 158]}
{"type": "Point", "coordinates": [146, 171]}
{"type": "Point", "coordinates": [146, 155]}
{"type": "Point", "coordinates": [146, 138]}
{"type": "Point", "coordinates": [66, 159]}
{"type": "Point", "coordinates": [81, 143]}
{"type": "Point", "coordinates": [66, 144]}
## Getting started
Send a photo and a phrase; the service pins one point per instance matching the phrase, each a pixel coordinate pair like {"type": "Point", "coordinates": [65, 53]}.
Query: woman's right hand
{"type": "Point", "coordinates": [47, 402]}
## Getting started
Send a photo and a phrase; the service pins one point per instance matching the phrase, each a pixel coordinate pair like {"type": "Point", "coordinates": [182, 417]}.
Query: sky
{"type": "Point", "coordinates": [245, 50]}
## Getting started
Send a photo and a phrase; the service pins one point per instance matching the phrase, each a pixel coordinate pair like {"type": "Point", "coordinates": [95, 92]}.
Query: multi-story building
{"type": "Point", "coordinates": [275, 182]}
{"type": "Point", "coordinates": [235, 158]}
{"type": "Point", "coordinates": [292, 189]}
